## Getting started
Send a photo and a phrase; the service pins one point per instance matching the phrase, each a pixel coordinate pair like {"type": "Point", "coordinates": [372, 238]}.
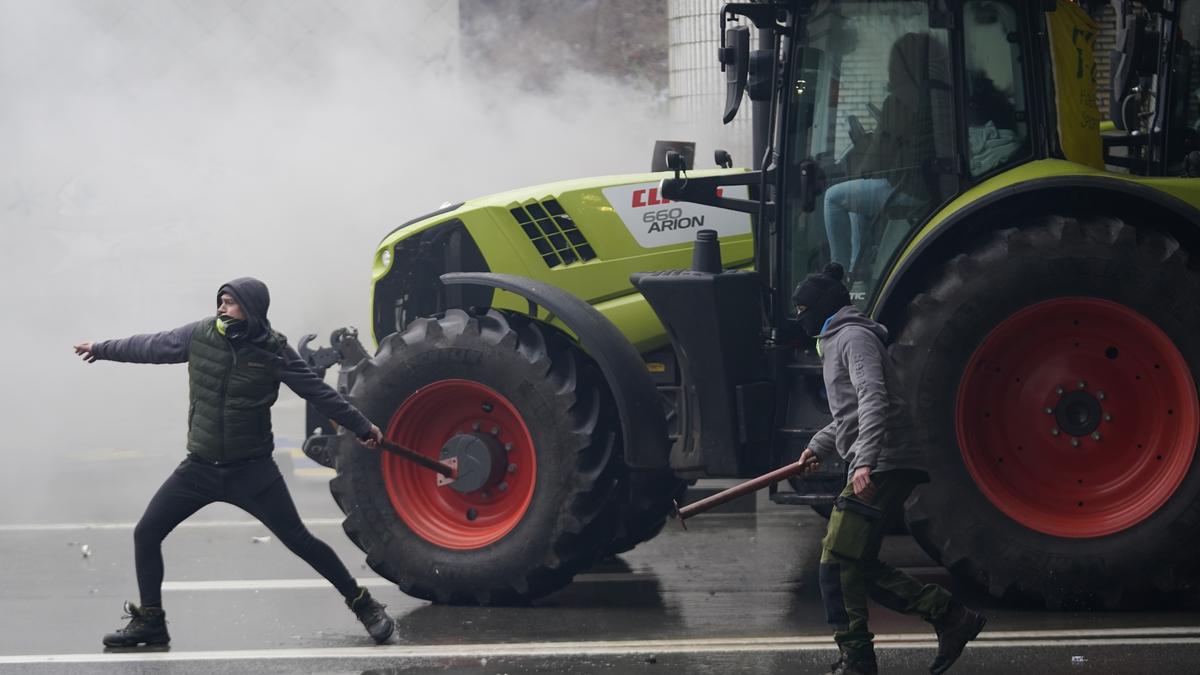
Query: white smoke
{"type": "Point", "coordinates": [154, 150]}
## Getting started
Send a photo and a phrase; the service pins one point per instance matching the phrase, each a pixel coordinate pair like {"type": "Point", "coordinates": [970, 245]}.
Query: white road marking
{"type": "Point", "coordinates": [312, 522]}
{"type": "Point", "coordinates": [1182, 635]}
{"type": "Point", "coordinates": [66, 527]}
{"type": "Point", "coordinates": [266, 584]}
{"type": "Point", "coordinates": [371, 582]}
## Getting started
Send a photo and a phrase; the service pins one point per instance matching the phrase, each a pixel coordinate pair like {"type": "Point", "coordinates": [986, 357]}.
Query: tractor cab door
{"type": "Point", "coordinates": [900, 114]}
{"type": "Point", "coordinates": [873, 105]}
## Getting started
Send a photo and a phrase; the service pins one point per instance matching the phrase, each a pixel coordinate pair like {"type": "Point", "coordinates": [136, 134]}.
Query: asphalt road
{"type": "Point", "coordinates": [735, 593]}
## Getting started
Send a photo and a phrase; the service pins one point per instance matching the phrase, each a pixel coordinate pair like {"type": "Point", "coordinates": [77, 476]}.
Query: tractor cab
{"type": "Point", "coordinates": [895, 123]}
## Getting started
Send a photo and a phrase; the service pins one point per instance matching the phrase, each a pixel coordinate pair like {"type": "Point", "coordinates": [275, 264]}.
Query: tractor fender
{"type": "Point", "coordinates": [1056, 195]}
{"type": "Point", "coordinates": [643, 425]}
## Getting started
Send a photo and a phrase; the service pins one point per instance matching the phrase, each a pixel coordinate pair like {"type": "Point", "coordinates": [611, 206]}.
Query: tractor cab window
{"type": "Point", "coordinates": [1184, 133]}
{"type": "Point", "coordinates": [997, 126]}
{"type": "Point", "coordinates": [872, 104]}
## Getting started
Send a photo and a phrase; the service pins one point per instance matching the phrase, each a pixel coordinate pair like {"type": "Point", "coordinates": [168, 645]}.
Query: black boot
{"type": "Point", "coordinates": [855, 664]}
{"type": "Point", "coordinates": [954, 630]}
{"type": "Point", "coordinates": [147, 626]}
{"type": "Point", "coordinates": [371, 614]}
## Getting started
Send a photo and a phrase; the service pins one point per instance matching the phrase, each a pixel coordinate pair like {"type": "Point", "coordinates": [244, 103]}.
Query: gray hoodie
{"type": "Point", "coordinates": [871, 423]}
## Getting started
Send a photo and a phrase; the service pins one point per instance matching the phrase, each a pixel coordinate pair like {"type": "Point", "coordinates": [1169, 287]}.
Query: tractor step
{"type": "Point", "coordinates": [796, 499]}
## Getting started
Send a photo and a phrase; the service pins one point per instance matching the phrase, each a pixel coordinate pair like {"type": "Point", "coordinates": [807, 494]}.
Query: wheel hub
{"type": "Point", "coordinates": [481, 460]}
{"type": "Point", "coordinates": [1078, 413]}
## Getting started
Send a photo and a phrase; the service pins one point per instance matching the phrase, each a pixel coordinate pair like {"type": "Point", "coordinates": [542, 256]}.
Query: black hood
{"type": "Point", "coordinates": [255, 300]}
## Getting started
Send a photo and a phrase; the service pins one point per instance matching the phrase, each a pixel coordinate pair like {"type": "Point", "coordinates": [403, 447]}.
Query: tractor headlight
{"type": "Point", "coordinates": [383, 262]}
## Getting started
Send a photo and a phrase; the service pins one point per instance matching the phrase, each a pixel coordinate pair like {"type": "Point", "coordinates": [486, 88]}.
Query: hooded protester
{"type": "Point", "coordinates": [236, 362]}
{"type": "Point", "coordinates": [872, 432]}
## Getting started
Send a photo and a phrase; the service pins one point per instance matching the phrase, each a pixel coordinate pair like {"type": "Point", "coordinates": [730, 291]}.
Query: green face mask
{"type": "Point", "coordinates": [233, 329]}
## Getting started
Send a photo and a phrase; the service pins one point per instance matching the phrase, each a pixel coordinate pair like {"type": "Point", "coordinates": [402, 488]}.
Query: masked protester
{"type": "Point", "coordinates": [235, 365]}
{"type": "Point", "coordinates": [873, 434]}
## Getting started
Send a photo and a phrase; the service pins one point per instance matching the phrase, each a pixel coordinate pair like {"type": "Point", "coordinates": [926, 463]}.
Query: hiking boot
{"type": "Point", "coordinates": [954, 630]}
{"type": "Point", "coordinates": [371, 614]}
{"type": "Point", "coordinates": [147, 625]}
{"type": "Point", "coordinates": [861, 664]}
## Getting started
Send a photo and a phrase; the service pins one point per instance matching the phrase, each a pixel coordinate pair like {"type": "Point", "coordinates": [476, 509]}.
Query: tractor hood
{"type": "Point", "coordinates": [585, 236]}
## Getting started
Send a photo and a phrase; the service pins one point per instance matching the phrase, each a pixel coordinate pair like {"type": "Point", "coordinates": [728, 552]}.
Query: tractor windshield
{"type": "Point", "coordinates": [872, 104]}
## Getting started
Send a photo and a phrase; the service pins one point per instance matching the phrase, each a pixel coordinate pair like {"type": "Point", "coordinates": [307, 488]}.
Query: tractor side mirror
{"type": "Point", "coordinates": [723, 158]}
{"type": "Point", "coordinates": [734, 56]}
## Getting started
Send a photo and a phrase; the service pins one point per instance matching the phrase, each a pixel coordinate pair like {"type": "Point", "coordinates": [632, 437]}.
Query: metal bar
{"type": "Point", "coordinates": [752, 485]}
{"type": "Point", "coordinates": [417, 458]}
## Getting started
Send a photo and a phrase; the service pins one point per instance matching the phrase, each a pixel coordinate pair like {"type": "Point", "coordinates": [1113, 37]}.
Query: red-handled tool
{"type": "Point", "coordinates": [752, 485]}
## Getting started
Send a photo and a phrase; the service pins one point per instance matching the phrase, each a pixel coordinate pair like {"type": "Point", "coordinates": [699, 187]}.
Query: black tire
{"type": "Point", "coordinates": [559, 393]}
{"type": "Point", "coordinates": [1059, 257]}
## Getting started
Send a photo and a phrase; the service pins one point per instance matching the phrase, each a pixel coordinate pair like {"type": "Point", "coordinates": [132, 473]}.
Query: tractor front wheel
{"type": "Point", "coordinates": [527, 417]}
{"type": "Point", "coordinates": [1052, 372]}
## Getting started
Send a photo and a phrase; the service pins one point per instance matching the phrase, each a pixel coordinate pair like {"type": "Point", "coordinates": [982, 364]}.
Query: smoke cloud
{"type": "Point", "coordinates": [155, 150]}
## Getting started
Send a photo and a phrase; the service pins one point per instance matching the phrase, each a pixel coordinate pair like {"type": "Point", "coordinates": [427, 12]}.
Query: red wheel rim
{"type": "Point", "coordinates": [441, 515]}
{"type": "Point", "coordinates": [1077, 417]}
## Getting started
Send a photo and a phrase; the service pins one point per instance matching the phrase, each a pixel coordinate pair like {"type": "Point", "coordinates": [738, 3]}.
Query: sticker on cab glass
{"type": "Point", "coordinates": [654, 221]}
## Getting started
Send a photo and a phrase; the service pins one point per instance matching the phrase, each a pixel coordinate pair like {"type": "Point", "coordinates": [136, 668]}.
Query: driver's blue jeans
{"type": "Point", "coordinates": [849, 208]}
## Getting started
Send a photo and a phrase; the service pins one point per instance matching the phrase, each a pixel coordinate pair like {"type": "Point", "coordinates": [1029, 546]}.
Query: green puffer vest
{"type": "Point", "coordinates": [231, 393]}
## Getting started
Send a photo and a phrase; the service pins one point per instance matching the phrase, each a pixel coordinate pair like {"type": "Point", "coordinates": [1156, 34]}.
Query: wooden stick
{"type": "Point", "coordinates": [752, 485]}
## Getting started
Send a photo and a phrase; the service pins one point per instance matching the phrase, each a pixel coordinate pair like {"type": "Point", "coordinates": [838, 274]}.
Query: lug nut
{"type": "Point", "coordinates": [475, 426]}
{"type": "Point", "coordinates": [1095, 435]}
{"type": "Point", "coordinates": [1082, 384]}
{"type": "Point", "coordinates": [487, 407]}
{"type": "Point", "coordinates": [502, 486]}
{"type": "Point", "coordinates": [512, 468]}
{"type": "Point", "coordinates": [495, 431]}
{"type": "Point", "coordinates": [1074, 442]}
{"type": "Point", "coordinates": [1100, 395]}
{"type": "Point", "coordinates": [1054, 431]}
{"type": "Point", "coordinates": [508, 447]}
{"type": "Point", "coordinates": [1059, 391]}
{"type": "Point", "coordinates": [1049, 411]}
{"type": "Point", "coordinates": [1107, 417]}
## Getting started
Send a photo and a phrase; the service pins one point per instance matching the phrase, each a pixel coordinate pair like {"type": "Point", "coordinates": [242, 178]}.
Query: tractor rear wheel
{"type": "Point", "coordinates": [1052, 372]}
{"type": "Point", "coordinates": [534, 430]}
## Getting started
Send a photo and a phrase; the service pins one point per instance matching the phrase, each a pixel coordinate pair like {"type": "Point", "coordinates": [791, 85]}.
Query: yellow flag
{"type": "Point", "coordinates": [1072, 43]}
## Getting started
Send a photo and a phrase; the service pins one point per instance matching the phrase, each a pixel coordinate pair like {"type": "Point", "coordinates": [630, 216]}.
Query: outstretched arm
{"type": "Point", "coordinates": [310, 387]}
{"type": "Point", "coordinates": [170, 346]}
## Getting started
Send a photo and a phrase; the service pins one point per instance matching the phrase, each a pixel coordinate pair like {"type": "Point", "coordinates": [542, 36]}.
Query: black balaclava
{"type": "Point", "coordinates": [822, 294]}
{"type": "Point", "coordinates": [255, 299]}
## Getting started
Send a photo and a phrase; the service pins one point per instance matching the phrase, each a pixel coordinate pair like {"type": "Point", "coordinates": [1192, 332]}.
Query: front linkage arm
{"type": "Point", "coordinates": [344, 349]}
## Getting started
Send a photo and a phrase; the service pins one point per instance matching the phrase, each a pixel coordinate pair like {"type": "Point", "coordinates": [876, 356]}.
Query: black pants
{"type": "Point", "coordinates": [255, 486]}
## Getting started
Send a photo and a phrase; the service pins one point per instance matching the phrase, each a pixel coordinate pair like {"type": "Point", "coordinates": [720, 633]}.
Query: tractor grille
{"type": "Point", "coordinates": [553, 232]}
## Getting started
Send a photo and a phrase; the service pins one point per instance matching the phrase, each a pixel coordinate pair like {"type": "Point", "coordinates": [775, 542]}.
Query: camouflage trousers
{"type": "Point", "coordinates": [851, 571]}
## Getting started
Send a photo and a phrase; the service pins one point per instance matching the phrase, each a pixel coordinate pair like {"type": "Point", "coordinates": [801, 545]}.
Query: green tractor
{"type": "Point", "coordinates": [582, 349]}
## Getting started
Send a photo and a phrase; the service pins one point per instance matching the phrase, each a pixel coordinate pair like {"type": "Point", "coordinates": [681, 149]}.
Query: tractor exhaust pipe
{"type": "Point", "coordinates": [706, 253]}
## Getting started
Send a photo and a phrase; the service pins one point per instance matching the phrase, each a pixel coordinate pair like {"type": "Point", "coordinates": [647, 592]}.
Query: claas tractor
{"type": "Point", "coordinates": [581, 350]}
